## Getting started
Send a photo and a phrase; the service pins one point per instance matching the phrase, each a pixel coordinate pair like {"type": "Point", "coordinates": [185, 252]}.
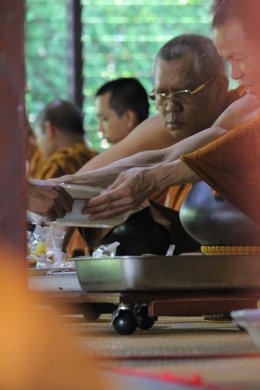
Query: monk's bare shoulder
{"type": "Point", "coordinates": [242, 110]}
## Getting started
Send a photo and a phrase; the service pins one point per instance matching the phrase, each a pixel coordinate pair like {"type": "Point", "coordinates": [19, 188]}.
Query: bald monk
{"type": "Point", "coordinates": [174, 70]}
{"type": "Point", "coordinates": [59, 133]}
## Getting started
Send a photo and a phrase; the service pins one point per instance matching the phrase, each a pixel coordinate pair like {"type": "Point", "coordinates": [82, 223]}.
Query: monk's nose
{"type": "Point", "coordinates": [237, 71]}
{"type": "Point", "coordinates": [171, 105]}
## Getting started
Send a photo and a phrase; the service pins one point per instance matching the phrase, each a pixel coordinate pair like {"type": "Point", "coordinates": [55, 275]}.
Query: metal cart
{"type": "Point", "coordinates": [136, 290]}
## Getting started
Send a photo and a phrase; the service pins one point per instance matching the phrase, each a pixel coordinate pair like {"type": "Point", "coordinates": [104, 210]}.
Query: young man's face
{"type": "Point", "coordinates": [184, 117]}
{"type": "Point", "coordinates": [241, 52]}
{"type": "Point", "coordinates": [111, 125]}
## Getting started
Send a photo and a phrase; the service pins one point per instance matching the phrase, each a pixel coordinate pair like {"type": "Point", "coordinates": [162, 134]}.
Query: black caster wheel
{"type": "Point", "coordinates": [124, 321]}
{"type": "Point", "coordinates": [91, 316]}
{"type": "Point", "coordinates": [144, 322]}
{"type": "Point", "coordinates": [90, 313]}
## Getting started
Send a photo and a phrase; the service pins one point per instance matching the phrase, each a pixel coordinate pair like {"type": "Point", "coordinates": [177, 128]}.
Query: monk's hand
{"type": "Point", "coordinates": [128, 192]}
{"type": "Point", "coordinates": [50, 200]}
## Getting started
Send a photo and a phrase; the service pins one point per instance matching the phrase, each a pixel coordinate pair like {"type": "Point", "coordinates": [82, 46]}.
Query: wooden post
{"type": "Point", "coordinates": [12, 120]}
{"type": "Point", "coordinates": [75, 61]}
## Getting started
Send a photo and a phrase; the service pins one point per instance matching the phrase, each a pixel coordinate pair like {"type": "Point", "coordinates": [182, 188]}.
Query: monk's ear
{"type": "Point", "coordinates": [221, 86]}
{"type": "Point", "coordinates": [50, 130]}
{"type": "Point", "coordinates": [130, 119]}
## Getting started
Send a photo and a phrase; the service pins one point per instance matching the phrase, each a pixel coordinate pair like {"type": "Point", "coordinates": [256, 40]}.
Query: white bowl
{"type": "Point", "coordinates": [250, 320]}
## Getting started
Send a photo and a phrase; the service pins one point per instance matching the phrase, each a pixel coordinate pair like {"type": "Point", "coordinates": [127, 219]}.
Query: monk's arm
{"type": "Point", "coordinates": [148, 135]}
{"type": "Point", "coordinates": [105, 176]}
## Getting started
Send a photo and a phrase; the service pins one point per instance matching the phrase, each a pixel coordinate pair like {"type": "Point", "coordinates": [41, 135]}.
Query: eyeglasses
{"type": "Point", "coordinates": [181, 96]}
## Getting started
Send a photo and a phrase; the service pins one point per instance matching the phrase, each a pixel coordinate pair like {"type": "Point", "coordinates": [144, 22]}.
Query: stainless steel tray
{"type": "Point", "coordinates": [161, 273]}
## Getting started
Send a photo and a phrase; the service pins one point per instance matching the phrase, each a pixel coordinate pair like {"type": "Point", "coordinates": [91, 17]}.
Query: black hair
{"type": "Point", "coordinates": [207, 61]}
{"type": "Point", "coordinates": [247, 12]}
{"type": "Point", "coordinates": [64, 115]}
{"type": "Point", "coordinates": [127, 93]}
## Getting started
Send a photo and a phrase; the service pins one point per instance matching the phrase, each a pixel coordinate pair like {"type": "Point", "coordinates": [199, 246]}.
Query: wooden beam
{"type": "Point", "coordinates": [12, 119]}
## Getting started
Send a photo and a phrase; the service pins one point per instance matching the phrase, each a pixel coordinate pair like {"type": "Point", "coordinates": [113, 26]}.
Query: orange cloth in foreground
{"type": "Point", "coordinates": [36, 353]}
{"type": "Point", "coordinates": [231, 166]}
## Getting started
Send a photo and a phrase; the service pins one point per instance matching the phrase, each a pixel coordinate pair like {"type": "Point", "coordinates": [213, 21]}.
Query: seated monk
{"type": "Point", "coordinates": [59, 134]}
{"type": "Point", "coordinates": [237, 30]}
{"type": "Point", "coordinates": [174, 71]}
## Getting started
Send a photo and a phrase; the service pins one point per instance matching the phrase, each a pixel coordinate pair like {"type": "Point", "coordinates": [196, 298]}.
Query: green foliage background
{"type": "Point", "coordinates": [120, 39]}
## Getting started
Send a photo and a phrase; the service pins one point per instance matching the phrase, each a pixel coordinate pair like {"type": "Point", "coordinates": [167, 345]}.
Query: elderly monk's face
{"type": "Point", "coordinates": [241, 52]}
{"type": "Point", "coordinates": [187, 115]}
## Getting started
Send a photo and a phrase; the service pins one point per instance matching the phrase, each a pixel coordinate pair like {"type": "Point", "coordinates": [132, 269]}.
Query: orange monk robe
{"type": "Point", "coordinates": [231, 166]}
{"type": "Point", "coordinates": [34, 162]}
{"type": "Point", "coordinates": [64, 161]}
{"type": "Point", "coordinates": [177, 194]}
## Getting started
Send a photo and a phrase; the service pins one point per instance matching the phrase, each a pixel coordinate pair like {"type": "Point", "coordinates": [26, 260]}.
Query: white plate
{"type": "Point", "coordinates": [75, 217]}
{"type": "Point", "coordinates": [78, 191]}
